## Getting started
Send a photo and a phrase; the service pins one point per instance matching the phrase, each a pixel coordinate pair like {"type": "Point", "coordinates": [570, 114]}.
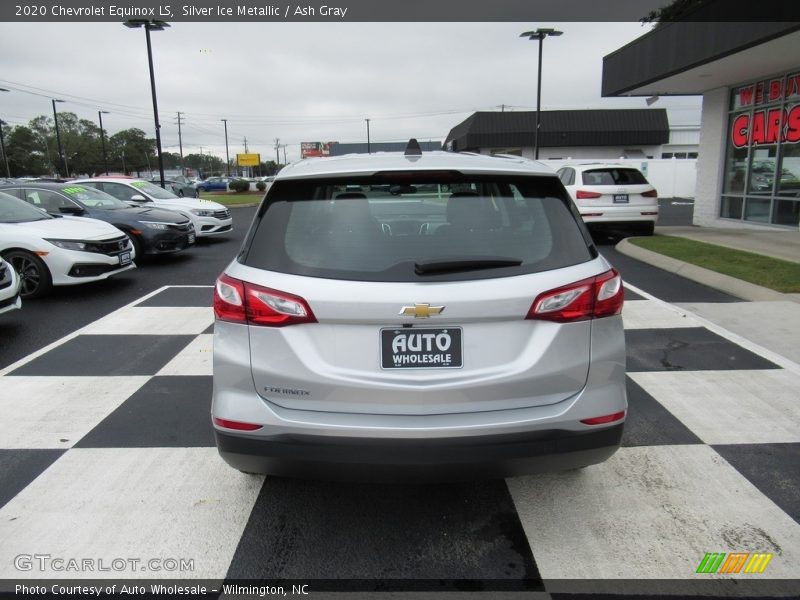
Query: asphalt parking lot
{"type": "Point", "coordinates": [106, 450]}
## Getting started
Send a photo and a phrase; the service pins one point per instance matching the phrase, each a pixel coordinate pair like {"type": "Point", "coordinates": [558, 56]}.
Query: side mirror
{"type": "Point", "coordinates": [138, 198]}
{"type": "Point", "coordinates": [71, 210]}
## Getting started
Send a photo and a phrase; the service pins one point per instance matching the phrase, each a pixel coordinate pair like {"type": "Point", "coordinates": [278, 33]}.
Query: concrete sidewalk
{"type": "Point", "coordinates": [768, 318]}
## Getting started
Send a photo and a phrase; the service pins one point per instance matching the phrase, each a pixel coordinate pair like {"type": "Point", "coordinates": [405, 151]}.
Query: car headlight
{"type": "Point", "coordinates": [200, 212]}
{"type": "Point", "coordinates": [154, 225]}
{"type": "Point", "coordinates": [68, 244]}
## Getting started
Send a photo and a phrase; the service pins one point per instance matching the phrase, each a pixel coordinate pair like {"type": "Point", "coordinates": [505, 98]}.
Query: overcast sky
{"type": "Point", "coordinates": [304, 82]}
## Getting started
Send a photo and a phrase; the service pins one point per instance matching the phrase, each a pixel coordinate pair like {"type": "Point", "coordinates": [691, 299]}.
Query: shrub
{"type": "Point", "coordinates": [261, 186]}
{"type": "Point", "coordinates": [239, 185]}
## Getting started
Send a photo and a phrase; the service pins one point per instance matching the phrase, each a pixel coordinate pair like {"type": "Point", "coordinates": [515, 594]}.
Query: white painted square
{"type": "Point", "coordinates": [195, 359]}
{"type": "Point", "coordinates": [56, 412]}
{"type": "Point", "coordinates": [730, 407]}
{"type": "Point", "coordinates": [646, 314]}
{"type": "Point", "coordinates": [651, 513]}
{"type": "Point", "coordinates": [131, 503]}
{"type": "Point", "coordinates": [153, 320]}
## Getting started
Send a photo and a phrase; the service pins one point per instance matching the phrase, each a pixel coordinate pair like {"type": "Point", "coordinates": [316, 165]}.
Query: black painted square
{"type": "Point", "coordinates": [171, 412]}
{"type": "Point", "coordinates": [18, 468]}
{"type": "Point", "coordinates": [209, 329]}
{"type": "Point", "coordinates": [631, 295]}
{"type": "Point", "coordinates": [181, 296]}
{"type": "Point", "coordinates": [648, 423]}
{"type": "Point", "coordinates": [773, 468]}
{"type": "Point", "coordinates": [687, 349]}
{"type": "Point", "coordinates": [110, 355]}
{"type": "Point", "coordinates": [388, 537]}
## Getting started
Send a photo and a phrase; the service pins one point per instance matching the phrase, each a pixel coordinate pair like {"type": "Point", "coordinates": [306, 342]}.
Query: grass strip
{"type": "Point", "coordinates": [773, 273]}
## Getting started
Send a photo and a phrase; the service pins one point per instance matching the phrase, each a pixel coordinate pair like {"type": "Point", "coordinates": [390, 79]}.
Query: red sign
{"type": "Point", "coordinates": [769, 91]}
{"type": "Point", "coordinates": [767, 126]}
{"type": "Point", "coordinates": [312, 149]}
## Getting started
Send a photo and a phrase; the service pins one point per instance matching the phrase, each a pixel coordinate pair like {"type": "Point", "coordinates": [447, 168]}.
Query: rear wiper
{"type": "Point", "coordinates": [433, 266]}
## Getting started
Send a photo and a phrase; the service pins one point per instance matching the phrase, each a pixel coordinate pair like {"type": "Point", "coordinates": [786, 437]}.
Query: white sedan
{"type": "Point", "coordinates": [9, 288]}
{"type": "Point", "coordinates": [209, 218]}
{"type": "Point", "coordinates": [47, 251]}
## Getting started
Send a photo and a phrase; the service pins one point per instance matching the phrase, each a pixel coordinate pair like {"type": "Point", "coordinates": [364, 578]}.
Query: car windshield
{"type": "Point", "coordinates": [613, 177]}
{"type": "Point", "coordinates": [389, 229]}
{"type": "Point", "coordinates": [14, 210]}
{"type": "Point", "coordinates": [93, 198]}
{"type": "Point", "coordinates": [153, 190]}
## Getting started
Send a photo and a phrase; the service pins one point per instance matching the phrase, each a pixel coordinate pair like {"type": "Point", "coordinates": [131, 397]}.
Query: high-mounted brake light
{"type": "Point", "coordinates": [241, 302]}
{"type": "Point", "coordinates": [591, 298]}
{"type": "Point", "coordinates": [586, 195]}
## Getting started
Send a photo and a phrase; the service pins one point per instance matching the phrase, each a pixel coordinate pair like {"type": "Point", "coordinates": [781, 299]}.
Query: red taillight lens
{"type": "Point", "coordinates": [604, 419]}
{"type": "Point", "coordinates": [650, 194]}
{"type": "Point", "coordinates": [241, 302]}
{"type": "Point", "coordinates": [586, 195]}
{"type": "Point", "coordinates": [236, 425]}
{"type": "Point", "coordinates": [592, 298]}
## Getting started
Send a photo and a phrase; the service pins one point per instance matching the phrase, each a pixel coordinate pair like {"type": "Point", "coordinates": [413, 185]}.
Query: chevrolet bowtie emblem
{"type": "Point", "coordinates": [421, 311]}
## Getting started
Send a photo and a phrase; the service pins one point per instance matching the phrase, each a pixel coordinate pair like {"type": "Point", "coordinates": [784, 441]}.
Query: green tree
{"type": "Point", "coordinates": [131, 151]}
{"type": "Point", "coordinates": [25, 155]}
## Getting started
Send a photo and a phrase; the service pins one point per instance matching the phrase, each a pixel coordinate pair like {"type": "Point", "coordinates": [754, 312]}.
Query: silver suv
{"type": "Point", "coordinates": [415, 316]}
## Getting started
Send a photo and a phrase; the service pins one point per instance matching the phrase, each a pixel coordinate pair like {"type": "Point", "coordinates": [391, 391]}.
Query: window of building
{"type": "Point", "coordinates": [762, 164]}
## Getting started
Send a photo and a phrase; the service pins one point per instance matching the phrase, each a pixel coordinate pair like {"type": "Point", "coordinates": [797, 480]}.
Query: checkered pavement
{"type": "Point", "coordinates": [119, 461]}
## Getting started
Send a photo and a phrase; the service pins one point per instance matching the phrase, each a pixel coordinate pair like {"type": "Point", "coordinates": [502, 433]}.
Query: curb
{"type": "Point", "coordinates": [724, 283]}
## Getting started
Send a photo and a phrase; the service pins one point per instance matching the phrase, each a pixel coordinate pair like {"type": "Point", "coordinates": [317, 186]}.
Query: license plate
{"type": "Point", "coordinates": [191, 238]}
{"type": "Point", "coordinates": [417, 348]}
{"type": "Point", "coordinates": [125, 258]}
{"type": "Point", "coordinates": [620, 198]}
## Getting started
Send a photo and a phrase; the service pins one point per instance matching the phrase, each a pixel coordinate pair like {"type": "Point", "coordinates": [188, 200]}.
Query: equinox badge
{"type": "Point", "coordinates": [421, 311]}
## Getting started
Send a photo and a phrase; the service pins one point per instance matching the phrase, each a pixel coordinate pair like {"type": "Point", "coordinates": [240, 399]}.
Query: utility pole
{"type": "Point", "coordinates": [277, 151]}
{"type": "Point", "coordinates": [284, 153]}
{"type": "Point", "coordinates": [180, 143]}
{"type": "Point", "coordinates": [227, 155]}
{"type": "Point", "coordinates": [368, 146]}
{"type": "Point", "coordinates": [245, 145]}
{"type": "Point", "coordinates": [100, 114]}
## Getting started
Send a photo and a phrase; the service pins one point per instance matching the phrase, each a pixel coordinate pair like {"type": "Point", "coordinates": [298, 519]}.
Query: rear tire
{"type": "Point", "coordinates": [648, 229]}
{"type": "Point", "coordinates": [35, 276]}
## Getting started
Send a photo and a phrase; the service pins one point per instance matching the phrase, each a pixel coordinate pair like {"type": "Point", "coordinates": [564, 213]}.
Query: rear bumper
{"type": "Point", "coordinates": [393, 460]}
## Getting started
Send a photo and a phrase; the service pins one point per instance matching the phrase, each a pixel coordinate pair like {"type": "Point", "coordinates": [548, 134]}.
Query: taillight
{"type": "Point", "coordinates": [604, 419]}
{"type": "Point", "coordinates": [240, 302]}
{"type": "Point", "coordinates": [586, 195]}
{"type": "Point", "coordinates": [239, 425]}
{"type": "Point", "coordinates": [591, 298]}
{"type": "Point", "coordinates": [650, 194]}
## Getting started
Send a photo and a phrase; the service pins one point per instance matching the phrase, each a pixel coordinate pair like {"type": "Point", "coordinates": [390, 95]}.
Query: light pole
{"type": "Point", "coordinates": [227, 156]}
{"type": "Point", "coordinates": [100, 114]}
{"type": "Point", "coordinates": [539, 34]}
{"type": "Point", "coordinates": [154, 25]}
{"type": "Point", "coordinates": [3, 143]}
{"type": "Point", "coordinates": [368, 146]}
{"type": "Point", "coordinates": [58, 138]}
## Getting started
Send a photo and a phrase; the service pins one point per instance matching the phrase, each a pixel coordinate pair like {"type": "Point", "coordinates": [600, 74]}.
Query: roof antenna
{"type": "Point", "coordinates": [413, 149]}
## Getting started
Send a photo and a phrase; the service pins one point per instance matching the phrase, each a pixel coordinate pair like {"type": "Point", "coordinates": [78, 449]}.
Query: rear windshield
{"type": "Point", "coordinates": [416, 228]}
{"type": "Point", "coordinates": [613, 177]}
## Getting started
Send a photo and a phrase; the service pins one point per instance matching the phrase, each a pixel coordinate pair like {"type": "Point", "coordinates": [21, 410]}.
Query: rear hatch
{"type": "Point", "coordinates": [619, 187]}
{"type": "Point", "coordinates": [410, 296]}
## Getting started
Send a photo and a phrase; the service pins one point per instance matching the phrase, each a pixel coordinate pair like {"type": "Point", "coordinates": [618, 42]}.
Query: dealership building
{"type": "Point", "coordinates": [748, 167]}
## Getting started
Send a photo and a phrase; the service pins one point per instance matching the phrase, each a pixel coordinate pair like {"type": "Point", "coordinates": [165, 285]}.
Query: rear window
{"type": "Point", "coordinates": [613, 177]}
{"type": "Point", "coordinates": [409, 227]}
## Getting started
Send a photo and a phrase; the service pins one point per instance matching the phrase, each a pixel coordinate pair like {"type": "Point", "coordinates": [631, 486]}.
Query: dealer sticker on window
{"type": "Point", "coordinates": [417, 348]}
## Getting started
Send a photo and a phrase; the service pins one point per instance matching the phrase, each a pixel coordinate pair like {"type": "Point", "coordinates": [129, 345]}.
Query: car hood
{"type": "Point", "coordinates": [189, 203]}
{"type": "Point", "coordinates": [143, 213]}
{"type": "Point", "coordinates": [69, 228]}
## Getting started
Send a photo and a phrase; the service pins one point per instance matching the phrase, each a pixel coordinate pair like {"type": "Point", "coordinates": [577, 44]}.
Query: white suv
{"type": "Point", "coordinates": [417, 316]}
{"type": "Point", "coordinates": [612, 197]}
{"type": "Point", "coordinates": [209, 218]}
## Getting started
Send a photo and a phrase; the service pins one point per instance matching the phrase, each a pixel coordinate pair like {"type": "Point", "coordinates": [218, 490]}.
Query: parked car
{"type": "Point", "coordinates": [612, 197]}
{"type": "Point", "coordinates": [10, 285]}
{"type": "Point", "coordinates": [214, 184]}
{"type": "Point", "coordinates": [46, 250]}
{"type": "Point", "coordinates": [151, 230]}
{"type": "Point", "coordinates": [179, 185]}
{"type": "Point", "coordinates": [365, 335]}
{"type": "Point", "coordinates": [209, 218]}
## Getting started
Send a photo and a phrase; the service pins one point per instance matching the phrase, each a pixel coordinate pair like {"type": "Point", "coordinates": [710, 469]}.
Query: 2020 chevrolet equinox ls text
{"type": "Point", "coordinates": [402, 316]}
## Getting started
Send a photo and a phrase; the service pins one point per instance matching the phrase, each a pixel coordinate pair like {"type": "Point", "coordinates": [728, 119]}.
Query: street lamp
{"type": "Point", "coordinates": [58, 138]}
{"type": "Point", "coordinates": [3, 143]}
{"type": "Point", "coordinates": [368, 146]}
{"type": "Point", "coordinates": [539, 34]}
{"type": "Point", "coordinates": [154, 25]}
{"type": "Point", "coordinates": [227, 156]}
{"type": "Point", "coordinates": [100, 114]}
